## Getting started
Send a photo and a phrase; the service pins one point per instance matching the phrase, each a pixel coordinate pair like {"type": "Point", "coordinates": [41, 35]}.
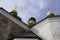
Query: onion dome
{"type": "Point", "coordinates": [13, 12]}
{"type": "Point", "coordinates": [50, 14]}
{"type": "Point", "coordinates": [31, 22]}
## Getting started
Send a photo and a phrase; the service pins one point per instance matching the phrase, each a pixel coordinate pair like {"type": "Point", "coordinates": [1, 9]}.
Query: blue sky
{"type": "Point", "coordinates": [32, 8]}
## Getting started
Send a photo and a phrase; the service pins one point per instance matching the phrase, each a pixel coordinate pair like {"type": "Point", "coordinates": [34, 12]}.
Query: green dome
{"type": "Point", "coordinates": [31, 22]}
{"type": "Point", "coordinates": [13, 12]}
{"type": "Point", "coordinates": [50, 14]}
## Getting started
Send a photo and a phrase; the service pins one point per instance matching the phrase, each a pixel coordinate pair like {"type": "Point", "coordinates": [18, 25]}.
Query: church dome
{"type": "Point", "coordinates": [13, 12]}
{"type": "Point", "coordinates": [31, 21]}
{"type": "Point", "coordinates": [32, 18]}
{"type": "Point", "coordinates": [50, 14]}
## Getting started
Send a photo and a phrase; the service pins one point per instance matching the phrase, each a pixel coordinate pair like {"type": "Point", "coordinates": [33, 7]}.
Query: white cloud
{"type": "Point", "coordinates": [42, 4]}
{"type": "Point", "coordinates": [6, 4]}
{"type": "Point", "coordinates": [32, 10]}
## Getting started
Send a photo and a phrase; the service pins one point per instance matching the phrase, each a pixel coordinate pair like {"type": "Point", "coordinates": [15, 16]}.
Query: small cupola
{"type": "Point", "coordinates": [50, 14]}
{"type": "Point", "coordinates": [13, 12]}
{"type": "Point", "coordinates": [31, 22]}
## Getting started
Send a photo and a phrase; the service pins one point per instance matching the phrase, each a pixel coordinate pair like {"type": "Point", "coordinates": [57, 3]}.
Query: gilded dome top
{"type": "Point", "coordinates": [14, 11]}
{"type": "Point", "coordinates": [32, 19]}
{"type": "Point", "coordinates": [31, 22]}
{"type": "Point", "coordinates": [50, 14]}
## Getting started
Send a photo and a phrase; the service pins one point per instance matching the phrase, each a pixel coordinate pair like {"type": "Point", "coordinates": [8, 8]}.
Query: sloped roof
{"type": "Point", "coordinates": [46, 18]}
{"type": "Point", "coordinates": [36, 23]}
{"type": "Point", "coordinates": [25, 26]}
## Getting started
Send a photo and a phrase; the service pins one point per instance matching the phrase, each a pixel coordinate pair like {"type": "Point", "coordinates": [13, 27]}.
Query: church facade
{"type": "Point", "coordinates": [12, 27]}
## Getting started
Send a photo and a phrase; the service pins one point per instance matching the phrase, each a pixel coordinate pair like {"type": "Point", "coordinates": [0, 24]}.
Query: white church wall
{"type": "Point", "coordinates": [55, 27]}
{"type": "Point", "coordinates": [25, 39]}
{"type": "Point", "coordinates": [48, 29]}
{"type": "Point", "coordinates": [43, 30]}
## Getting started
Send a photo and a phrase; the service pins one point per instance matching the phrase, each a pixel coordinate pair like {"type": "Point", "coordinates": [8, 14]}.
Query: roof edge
{"type": "Point", "coordinates": [46, 18]}
{"type": "Point", "coordinates": [1, 7]}
{"type": "Point", "coordinates": [12, 16]}
{"type": "Point", "coordinates": [8, 12]}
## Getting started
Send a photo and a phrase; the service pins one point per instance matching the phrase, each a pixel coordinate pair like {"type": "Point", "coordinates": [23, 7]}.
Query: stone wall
{"type": "Point", "coordinates": [43, 30]}
{"type": "Point", "coordinates": [4, 27]}
{"type": "Point", "coordinates": [55, 27]}
{"type": "Point", "coordinates": [48, 29]}
{"type": "Point", "coordinates": [8, 28]}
